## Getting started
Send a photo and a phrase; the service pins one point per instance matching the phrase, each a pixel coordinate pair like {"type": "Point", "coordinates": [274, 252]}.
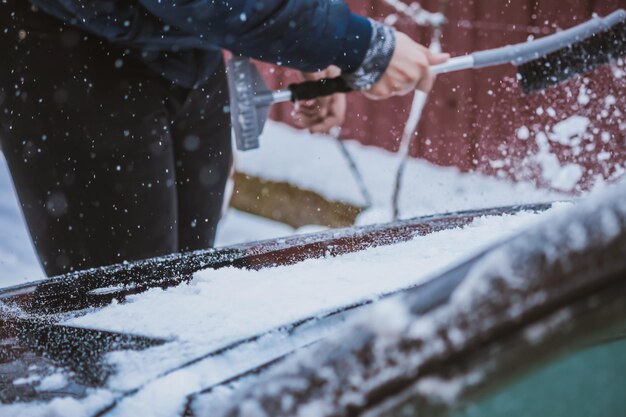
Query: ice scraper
{"type": "Point", "coordinates": [541, 63]}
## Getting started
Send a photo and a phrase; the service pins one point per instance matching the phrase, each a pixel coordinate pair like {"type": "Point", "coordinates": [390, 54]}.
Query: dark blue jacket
{"type": "Point", "coordinates": [182, 39]}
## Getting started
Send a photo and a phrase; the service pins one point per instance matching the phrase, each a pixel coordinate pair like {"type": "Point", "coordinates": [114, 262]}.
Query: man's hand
{"type": "Point", "coordinates": [324, 113]}
{"type": "Point", "coordinates": [408, 70]}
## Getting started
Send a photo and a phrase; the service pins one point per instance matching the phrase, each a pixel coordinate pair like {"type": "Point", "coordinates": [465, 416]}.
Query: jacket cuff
{"type": "Point", "coordinates": [356, 43]}
{"type": "Point", "coordinates": [377, 58]}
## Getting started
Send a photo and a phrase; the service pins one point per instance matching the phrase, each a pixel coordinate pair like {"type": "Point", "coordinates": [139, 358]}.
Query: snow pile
{"type": "Point", "coordinates": [346, 375]}
{"type": "Point", "coordinates": [269, 297]}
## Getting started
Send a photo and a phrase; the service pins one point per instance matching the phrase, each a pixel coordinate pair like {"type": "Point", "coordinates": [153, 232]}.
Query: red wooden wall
{"type": "Point", "coordinates": [472, 117]}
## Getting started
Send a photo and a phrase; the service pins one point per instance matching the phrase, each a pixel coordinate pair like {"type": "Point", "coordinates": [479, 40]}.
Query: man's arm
{"type": "Point", "coordinates": [408, 68]}
{"type": "Point", "coordinates": [308, 35]}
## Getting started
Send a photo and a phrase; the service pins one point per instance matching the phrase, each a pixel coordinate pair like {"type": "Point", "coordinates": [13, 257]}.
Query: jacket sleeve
{"type": "Point", "coordinates": [308, 35]}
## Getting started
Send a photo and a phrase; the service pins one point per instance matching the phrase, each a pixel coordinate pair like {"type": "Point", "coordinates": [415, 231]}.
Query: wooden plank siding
{"type": "Point", "coordinates": [472, 117]}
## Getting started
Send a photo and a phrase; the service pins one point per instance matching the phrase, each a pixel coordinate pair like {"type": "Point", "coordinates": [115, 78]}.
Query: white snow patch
{"type": "Point", "coordinates": [567, 131]}
{"type": "Point", "coordinates": [604, 208]}
{"type": "Point", "coordinates": [237, 227]}
{"type": "Point", "coordinates": [388, 319]}
{"type": "Point", "coordinates": [53, 382]}
{"type": "Point", "coordinates": [17, 257]}
{"type": "Point", "coordinates": [164, 397]}
{"type": "Point", "coordinates": [610, 100]}
{"type": "Point", "coordinates": [222, 306]}
{"type": "Point", "coordinates": [315, 163]}
{"type": "Point", "coordinates": [604, 156]}
{"type": "Point", "coordinates": [446, 390]}
{"type": "Point", "coordinates": [59, 407]}
{"type": "Point", "coordinates": [562, 177]}
{"type": "Point", "coordinates": [536, 333]}
{"type": "Point", "coordinates": [583, 96]}
{"type": "Point", "coordinates": [252, 301]}
{"type": "Point", "coordinates": [523, 133]}
{"type": "Point", "coordinates": [565, 177]}
{"type": "Point", "coordinates": [27, 380]}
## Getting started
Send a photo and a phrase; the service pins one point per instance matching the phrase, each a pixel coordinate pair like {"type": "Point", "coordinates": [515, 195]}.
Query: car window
{"type": "Point", "coordinates": [589, 382]}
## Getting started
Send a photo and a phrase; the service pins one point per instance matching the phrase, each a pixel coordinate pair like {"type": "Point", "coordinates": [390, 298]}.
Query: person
{"type": "Point", "coordinates": [112, 112]}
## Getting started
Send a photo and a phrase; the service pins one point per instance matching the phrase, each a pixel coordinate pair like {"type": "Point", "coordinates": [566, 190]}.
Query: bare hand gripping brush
{"type": "Point", "coordinates": [541, 64]}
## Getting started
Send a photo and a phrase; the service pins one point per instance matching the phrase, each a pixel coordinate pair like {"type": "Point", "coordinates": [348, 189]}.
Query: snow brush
{"type": "Point", "coordinates": [541, 63]}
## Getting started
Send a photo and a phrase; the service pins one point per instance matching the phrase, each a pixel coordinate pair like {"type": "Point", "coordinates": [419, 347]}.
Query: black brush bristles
{"type": "Point", "coordinates": [574, 60]}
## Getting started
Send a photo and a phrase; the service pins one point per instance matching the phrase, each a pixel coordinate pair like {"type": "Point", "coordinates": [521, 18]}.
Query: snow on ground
{"type": "Point", "coordinates": [18, 262]}
{"type": "Point", "coordinates": [237, 227]}
{"type": "Point", "coordinates": [315, 162]}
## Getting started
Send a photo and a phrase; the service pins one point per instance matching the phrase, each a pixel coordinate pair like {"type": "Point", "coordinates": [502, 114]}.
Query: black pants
{"type": "Point", "coordinates": [110, 161]}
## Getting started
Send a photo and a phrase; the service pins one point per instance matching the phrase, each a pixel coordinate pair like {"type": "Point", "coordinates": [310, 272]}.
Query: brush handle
{"type": "Point", "coordinates": [528, 51]}
{"type": "Point", "coordinates": [309, 90]}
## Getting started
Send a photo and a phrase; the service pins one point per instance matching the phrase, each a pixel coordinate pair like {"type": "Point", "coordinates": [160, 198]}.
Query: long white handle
{"type": "Point", "coordinates": [454, 64]}
{"type": "Point", "coordinates": [527, 51]}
